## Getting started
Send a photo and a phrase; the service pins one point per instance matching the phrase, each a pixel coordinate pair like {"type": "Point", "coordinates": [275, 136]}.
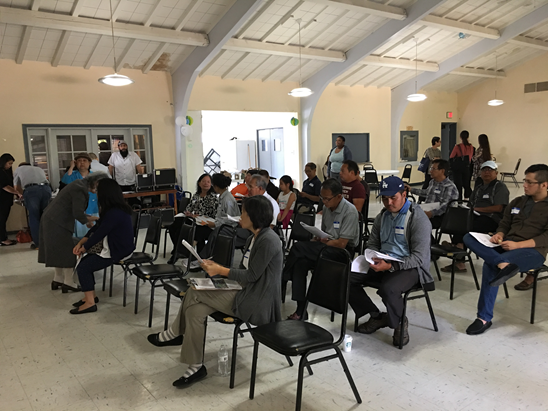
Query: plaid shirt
{"type": "Point", "coordinates": [438, 192]}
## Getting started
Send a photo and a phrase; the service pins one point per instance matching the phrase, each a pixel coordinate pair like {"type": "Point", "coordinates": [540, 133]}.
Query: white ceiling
{"type": "Point", "coordinates": [267, 46]}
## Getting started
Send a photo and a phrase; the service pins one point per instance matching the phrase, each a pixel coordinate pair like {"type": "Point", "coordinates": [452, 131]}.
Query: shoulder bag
{"type": "Point", "coordinates": [425, 163]}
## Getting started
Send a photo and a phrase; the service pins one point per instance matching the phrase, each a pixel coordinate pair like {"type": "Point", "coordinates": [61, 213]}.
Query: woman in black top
{"type": "Point", "coordinates": [6, 196]}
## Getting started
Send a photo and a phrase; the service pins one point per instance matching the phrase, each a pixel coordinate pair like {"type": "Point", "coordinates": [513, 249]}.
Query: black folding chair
{"type": "Point", "coordinates": [329, 288]}
{"type": "Point", "coordinates": [407, 173]}
{"type": "Point", "coordinates": [512, 175]}
{"type": "Point", "coordinates": [185, 200]}
{"type": "Point", "coordinates": [372, 179]}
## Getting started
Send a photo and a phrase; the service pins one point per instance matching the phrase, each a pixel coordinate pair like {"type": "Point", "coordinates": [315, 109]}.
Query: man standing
{"type": "Point", "coordinates": [97, 167]}
{"type": "Point", "coordinates": [353, 189]}
{"type": "Point", "coordinates": [31, 181]}
{"type": "Point", "coordinates": [440, 190]}
{"type": "Point", "coordinates": [401, 230]}
{"type": "Point", "coordinates": [433, 153]}
{"type": "Point", "coordinates": [310, 194]}
{"type": "Point", "coordinates": [340, 221]}
{"type": "Point", "coordinates": [522, 236]}
{"type": "Point", "coordinates": [123, 165]}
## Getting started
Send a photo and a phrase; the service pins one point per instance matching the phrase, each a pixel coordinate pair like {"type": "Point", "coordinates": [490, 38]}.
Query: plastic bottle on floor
{"type": "Point", "coordinates": [222, 361]}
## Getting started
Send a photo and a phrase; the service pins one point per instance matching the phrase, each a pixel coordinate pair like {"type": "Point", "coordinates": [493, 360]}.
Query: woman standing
{"type": "Point", "coordinates": [483, 154]}
{"type": "Point", "coordinates": [57, 226]}
{"type": "Point", "coordinates": [336, 157]}
{"type": "Point", "coordinates": [461, 157]}
{"type": "Point", "coordinates": [7, 191]}
{"type": "Point", "coordinates": [114, 231]}
{"type": "Point", "coordinates": [259, 301]}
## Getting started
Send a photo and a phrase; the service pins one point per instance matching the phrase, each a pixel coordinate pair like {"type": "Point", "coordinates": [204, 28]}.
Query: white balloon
{"type": "Point", "coordinates": [180, 120]}
{"type": "Point", "coordinates": [186, 131]}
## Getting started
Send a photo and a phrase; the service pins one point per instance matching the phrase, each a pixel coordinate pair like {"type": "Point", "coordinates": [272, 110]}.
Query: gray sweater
{"type": "Point", "coordinates": [259, 302]}
{"type": "Point", "coordinates": [418, 233]}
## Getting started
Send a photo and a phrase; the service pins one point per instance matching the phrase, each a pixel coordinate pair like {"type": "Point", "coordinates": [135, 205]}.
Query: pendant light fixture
{"type": "Point", "coordinates": [416, 96]}
{"type": "Point", "coordinates": [495, 102]}
{"type": "Point", "coordinates": [300, 91]}
{"type": "Point", "coordinates": [114, 79]}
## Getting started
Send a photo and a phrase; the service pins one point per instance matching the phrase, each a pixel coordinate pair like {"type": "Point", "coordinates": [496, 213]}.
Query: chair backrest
{"type": "Point", "coordinates": [371, 176]}
{"type": "Point", "coordinates": [223, 251]}
{"type": "Point", "coordinates": [153, 234]}
{"type": "Point", "coordinates": [329, 286]}
{"type": "Point", "coordinates": [187, 233]}
{"type": "Point", "coordinates": [298, 233]}
{"type": "Point", "coordinates": [517, 166]}
{"type": "Point", "coordinates": [457, 220]}
{"type": "Point", "coordinates": [135, 221]}
{"type": "Point", "coordinates": [185, 200]}
{"type": "Point", "coordinates": [368, 166]}
{"type": "Point", "coordinates": [407, 172]}
{"type": "Point", "coordinates": [365, 208]}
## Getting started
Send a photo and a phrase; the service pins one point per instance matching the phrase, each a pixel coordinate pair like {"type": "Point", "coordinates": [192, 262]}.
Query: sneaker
{"type": "Point", "coordinates": [374, 324]}
{"type": "Point", "coordinates": [478, 327]}
{"type": "Point", "coordinates": [397, 334]}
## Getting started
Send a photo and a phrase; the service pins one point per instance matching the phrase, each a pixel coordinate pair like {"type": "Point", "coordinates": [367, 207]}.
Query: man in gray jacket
{"type": "Point", "coordinates": [402, 231]}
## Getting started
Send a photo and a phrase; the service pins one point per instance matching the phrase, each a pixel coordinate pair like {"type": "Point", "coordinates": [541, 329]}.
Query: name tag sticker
{"type": "Point", "coordinates": [486, 196]}
{"type": "Point", "coordinates": [399, 230]}
{"type": "Point", "coordinates": [336, 224]}
{"type": "Point", "coordinates": [311, 184]}
{"type": "Point", "coordinates": [515, 210]}
{"type": "Point", "coordinates": [437, 191]}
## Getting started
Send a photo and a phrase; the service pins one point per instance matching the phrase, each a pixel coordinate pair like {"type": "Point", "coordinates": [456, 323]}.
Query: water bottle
{"type": "Point", "coordinates": [347, 343]}
{"type": "Point", "coordinates": [222, 361]}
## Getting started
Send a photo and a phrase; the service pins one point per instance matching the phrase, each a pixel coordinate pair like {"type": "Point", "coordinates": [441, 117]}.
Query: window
{"type": "Point", "coordinates": [52, 147]}
{"type": "Point", "coordinates": [409, 145]}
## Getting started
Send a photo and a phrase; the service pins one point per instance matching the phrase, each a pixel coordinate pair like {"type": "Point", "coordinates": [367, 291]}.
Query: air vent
{"type": "Point", "coordinates": [535, 87]}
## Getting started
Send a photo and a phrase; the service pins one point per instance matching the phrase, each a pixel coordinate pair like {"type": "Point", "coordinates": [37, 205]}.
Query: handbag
{"type": "Point", "coordinates": [97, 248]}
{"type": "Point", "coordinates": [425, 164]}
{"type": "Point", "coordinates": [23, 236]}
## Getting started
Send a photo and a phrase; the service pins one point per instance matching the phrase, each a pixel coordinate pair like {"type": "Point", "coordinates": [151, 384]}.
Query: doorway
{"type": "Point", "coordinates": [448, 139]}
{"type": "Point", "coordinates": [271, 150]}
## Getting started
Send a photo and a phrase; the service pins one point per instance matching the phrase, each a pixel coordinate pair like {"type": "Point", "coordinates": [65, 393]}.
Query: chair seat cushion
{"type": "Point", "coordinates": [157, 270]}
{"type": "Point", "coordinates": [138, 258]}
{"type": "Point", "coordinates": [447, 251]}
{"type": "Point", "coordinates": [177, 288]}
{"type": "Point", "coordinates": [225, 318]}
{"type": "Point", "coordinates": [292, 337]}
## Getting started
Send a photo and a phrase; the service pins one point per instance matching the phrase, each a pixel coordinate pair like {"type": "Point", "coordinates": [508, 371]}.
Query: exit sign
{"type": "Point", "coordinates": [449, 114]}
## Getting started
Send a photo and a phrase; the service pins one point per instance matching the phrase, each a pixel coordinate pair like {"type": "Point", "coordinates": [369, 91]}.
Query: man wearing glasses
{"type": "Point", "coordinates": [522, 239]}
{"type": "Point", "coordinates": [340, 221]}
{"type": "Point", "coordinates": [440, 190]}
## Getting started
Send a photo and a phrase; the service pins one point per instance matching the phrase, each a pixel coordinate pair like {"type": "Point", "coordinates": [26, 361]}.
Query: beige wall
{"type": "Point", "coordinates": [37, 93]}
{"type": "Point", "coordinates": [516, 129]}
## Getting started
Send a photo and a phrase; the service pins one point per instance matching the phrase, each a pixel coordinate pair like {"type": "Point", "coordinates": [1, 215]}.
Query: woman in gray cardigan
{"type": "Point", "coordinates": [259, 301]}
{"type": "Point", "coordinates": [57, 227]}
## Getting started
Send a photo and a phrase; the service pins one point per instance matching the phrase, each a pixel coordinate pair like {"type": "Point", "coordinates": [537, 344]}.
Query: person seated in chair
{"type": "Point", "coordinates": [353, 189]}
{"type": "Point", "coordinates": [440, 190]}
{"type": "Point", "coordinates": [258, 302]}
{"type": "Point", "coordinates": [240, 191]}
{"type": "Point", "coordinates": [271, 188]}
{"type": "Point", "coordinates": [340, 221]}
{"type": "Point", "coordinates": [488, 201]}
{"type": "Point", "coordinates": [401, 230]}
{"type": "Point", "coordinates": [522, 236]}
{"type": "Point", "coordinates": [310, 193]}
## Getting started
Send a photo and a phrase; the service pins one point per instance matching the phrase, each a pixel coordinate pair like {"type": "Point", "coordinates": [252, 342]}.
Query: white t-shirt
{"type": "Point", "coordinates": [275, 206]}
{"type": "Point", "coordinates": [248, 253]}
{"type": "Point", "coordinates": [283, 199]}
{"type": "Point", "coordinates": [97, 167]}
{"type": "Point", "coordinates": [124, 168]}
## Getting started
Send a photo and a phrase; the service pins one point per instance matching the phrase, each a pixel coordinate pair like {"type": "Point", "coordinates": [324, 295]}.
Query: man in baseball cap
{"type": "Point", "coordinates": [402, 231]}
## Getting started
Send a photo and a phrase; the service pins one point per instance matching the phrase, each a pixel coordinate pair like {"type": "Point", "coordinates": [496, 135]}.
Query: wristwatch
{"type": "Point", "coordinates": [392, 268]}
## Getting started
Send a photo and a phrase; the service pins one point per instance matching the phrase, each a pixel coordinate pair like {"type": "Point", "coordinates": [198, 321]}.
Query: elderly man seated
{"type": "Point", "coordinates": [488, 201]}
{"type": "Point", "coordinates": [440, 190]}
{"type": "Point", "coordinates": [401, 231]}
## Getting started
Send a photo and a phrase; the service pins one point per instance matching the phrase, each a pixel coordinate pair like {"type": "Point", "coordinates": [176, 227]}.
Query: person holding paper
{"type": "Point", "coordinates": [523, 238]}
{"type": "Point", "coordinates": [259, 301]}
{"type": "Point", "coordinates": [440, 190]}
{"type": "Point", "coordinates": [340, 221]}
{"type": "Point", "coordinates": [488, 201]}
{"type": "Point", "coordinates": [402, 231]}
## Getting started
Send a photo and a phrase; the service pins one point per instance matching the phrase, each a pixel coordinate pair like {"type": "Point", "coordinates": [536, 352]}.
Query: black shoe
{"type": "Point", "coordinates": [478, 327]}
{"type": "Point", "coordinates": [153, 339]}
{"type": "Point", "coordinates": [55, 285]}
{"type": "Point", "coordinates": [397, 334]}
{"type": "Point", "coordinates": [91, 309]}
{"type": "Point", "coordinates": [504, 275]}
{"type": "Point", "coordinates": [80, 302]}
{"type": "Point", "coordinates": [197, 376]}
{"type": "Point", "coordinates": [66, 288]}
{"type": "Point", "coordinates": [374, 324]}
{"type": "Point", "coordinates": [33, 246]}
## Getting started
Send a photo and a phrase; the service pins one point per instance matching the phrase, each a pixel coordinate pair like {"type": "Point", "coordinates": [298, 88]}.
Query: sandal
{"type": "Point", "coordinates": [11, 242]}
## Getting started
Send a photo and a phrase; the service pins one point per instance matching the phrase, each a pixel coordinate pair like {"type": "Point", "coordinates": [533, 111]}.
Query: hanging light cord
{"type": "Point", "coordinates": [112, 27]}
{"type": "Point", "coordinates": [300, 55]}
{"type": "Point", "coordinates": [416, 62]}
{"type": "Point", "coordinates": [496, 73]}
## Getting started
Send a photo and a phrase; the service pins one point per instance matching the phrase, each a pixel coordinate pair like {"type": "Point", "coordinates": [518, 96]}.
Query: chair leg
{"type": "Point", "coordinates": [452, 279]}
{"type": "Point", "coordinates": [437, 269]}
{"type": "Point", "coordinates": [204, 343]}
{"type": "Point", "coordinates": [253, 370]}
{"type": "Point", "coordinates": [332, 316]}
{"type": "Point", "coordinates": [289, 361]}
{"type": "Point", "coordinates": [284, 290]}
{"type": "Point", "coordinates": [348, 376]}
{"type": "Point", "coordinates": [302, 363]}
{"type": "Point", "coordinates": [505, 290]}
{"type": "Point", "coordinates": [151, 305]}
{"type": "Point", "coordinates": [168, 300]}
{"type": "Point", "coordinates": [534, 299]}
{"type": "Point", "coordinates": [356, 319]}
{"type": "Point", "coordinates": [402, 320]}
{"type": "Point", "coordinates": [111, 278]}
{"type": "Point", "coordinates": [473, 272]}
{"type": "Point", "coordinates": [515, 181]}
{"type": "Point", "coordinates": [234, 353]}
{"type": "Point", "coordinates": [165, 241]}
{"type": "Point", "coordinates": [104, 279]}
{"type": "Point", "coordinates": [432, 316]}
{"type": "Point", "coordinates": [136, 295]}
{"type": "Point", "coordinates": [125, 288]}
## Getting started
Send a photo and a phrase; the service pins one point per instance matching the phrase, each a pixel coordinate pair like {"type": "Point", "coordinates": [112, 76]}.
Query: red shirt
{"type": "Point", "coordinates": [352, 190]}
{"type": "Point", "coordinates": [240, 189]}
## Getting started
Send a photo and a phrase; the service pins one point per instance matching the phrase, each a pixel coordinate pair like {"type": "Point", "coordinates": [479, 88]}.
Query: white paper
{"type": "Point", "coordinates": [484, 239]}
{"type": "Point", "coordinates": [429, 206]}
{"type": "Point", "coordinates": [237, 219]}
{"type": "Point", "coordinates": [370, 254]}
{"type": "Point", "coordinates": [179, 215]}
{"type": "Point", "coordinates": [239, 195]}
{"type": "Point", "coordinates": [315, 231]}
{"type": "Point", "coordinates": [202, 219]}
{"type": "Point", "coordinates": [360, 265]}
{"type": "Point", "coordinates": [215, 284]}
{"type": "Point", "coordinates": [193, 251]}
{"type": "Point", "coordinates": [468, 208]}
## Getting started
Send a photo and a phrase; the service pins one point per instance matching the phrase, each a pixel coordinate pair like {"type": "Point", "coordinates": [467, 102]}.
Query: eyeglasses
{"type": "Point", "coordinates": [530, 183]}
{"type": "Point", "coordinates": [250, 187]}
{"type": "Point", "coordinates": [327, 200]}
{"type": "Point", "coordinates": [432, 168]}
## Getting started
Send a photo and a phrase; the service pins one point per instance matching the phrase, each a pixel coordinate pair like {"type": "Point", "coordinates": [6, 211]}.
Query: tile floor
{"type": "Point", "coordinates": [50, 360]}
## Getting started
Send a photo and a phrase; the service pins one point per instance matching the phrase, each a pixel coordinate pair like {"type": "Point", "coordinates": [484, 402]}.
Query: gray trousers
{"type": "Point", "coordinates": [190, 321]}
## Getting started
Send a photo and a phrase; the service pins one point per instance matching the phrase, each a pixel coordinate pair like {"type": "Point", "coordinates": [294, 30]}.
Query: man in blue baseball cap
{"type": "Point", "coordinates": [402, 231]}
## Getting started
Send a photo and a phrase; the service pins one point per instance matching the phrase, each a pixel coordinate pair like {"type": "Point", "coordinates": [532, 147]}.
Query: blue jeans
{"type": "Point", "coordinates": [525, 258]}
{"type": "Point", "coordinates": [36, 200]}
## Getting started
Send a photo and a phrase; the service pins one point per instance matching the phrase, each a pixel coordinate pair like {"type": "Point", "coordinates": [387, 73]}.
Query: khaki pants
{"type": "Point", "coordinates": [190, 321]}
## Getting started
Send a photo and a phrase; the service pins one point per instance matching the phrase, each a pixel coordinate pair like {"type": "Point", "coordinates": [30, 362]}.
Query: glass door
{"type": "Point", "coordinates": [38, 149]}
